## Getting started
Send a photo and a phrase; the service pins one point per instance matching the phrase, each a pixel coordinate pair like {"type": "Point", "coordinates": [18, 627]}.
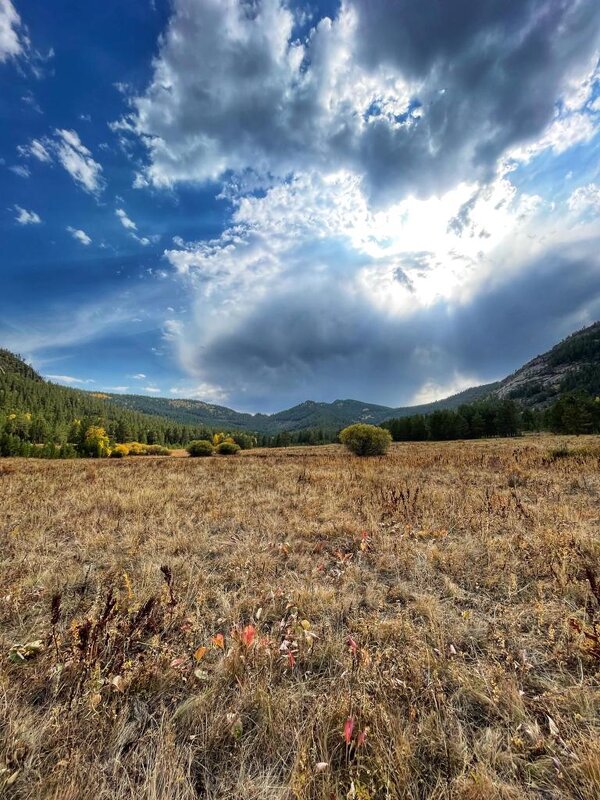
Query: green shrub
{"type": "Point", "coordinates": [228, 448]}
{"type": "Point", "coordinates": [366, 440]}
{"type": "Point", "coordinates": [200, 447]}
{"type": "Point", "coordinates": [157, 450]}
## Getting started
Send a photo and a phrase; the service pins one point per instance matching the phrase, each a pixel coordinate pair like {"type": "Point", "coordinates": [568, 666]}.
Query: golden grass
{"type": "Point", "coordinates": [424, 625]}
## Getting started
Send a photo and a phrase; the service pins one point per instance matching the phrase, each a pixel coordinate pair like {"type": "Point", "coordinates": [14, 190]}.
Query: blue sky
{"type": "Point", "coordinates": [257, 203]}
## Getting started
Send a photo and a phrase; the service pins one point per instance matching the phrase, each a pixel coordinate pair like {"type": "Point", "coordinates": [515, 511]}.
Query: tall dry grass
{"type": "Point", "coordinates": [303, 624]}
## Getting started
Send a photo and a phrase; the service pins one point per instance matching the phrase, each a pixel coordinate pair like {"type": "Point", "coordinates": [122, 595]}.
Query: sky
{"type": "Point", "coordinates": [259, 202]}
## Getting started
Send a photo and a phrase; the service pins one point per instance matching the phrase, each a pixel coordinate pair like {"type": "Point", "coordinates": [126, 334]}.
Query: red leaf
{"type": "Point", "coordinates": [352, 646]}
{"type": "Point", "coordinates": [291, 659]}
{"type": "Point", "coordinates": [348, 729]}
{"type": "Point", "coordinates": [248, 635]}
{"type": "Point", "coordinates": [361, 737]}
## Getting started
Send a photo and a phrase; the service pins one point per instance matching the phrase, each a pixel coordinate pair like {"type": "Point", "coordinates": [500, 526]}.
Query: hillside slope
{"type": "Point", "coordinates": [572, 364]}
{"type": "Point", "coordinates": [38, 411]}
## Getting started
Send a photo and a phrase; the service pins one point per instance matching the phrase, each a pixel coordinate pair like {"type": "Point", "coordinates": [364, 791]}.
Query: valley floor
{"type": "Point", "coordinates": [303, 624]}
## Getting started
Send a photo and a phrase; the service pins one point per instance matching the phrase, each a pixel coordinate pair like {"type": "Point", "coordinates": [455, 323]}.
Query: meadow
{"type": "Point", "coordinates": [301, 624]}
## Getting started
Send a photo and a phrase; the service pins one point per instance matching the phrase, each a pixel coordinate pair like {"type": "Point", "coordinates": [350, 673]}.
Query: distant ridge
{"type": "Point", "coordinates": [572, 364]}
{"type": "Point", "coordinates": [309, 414]}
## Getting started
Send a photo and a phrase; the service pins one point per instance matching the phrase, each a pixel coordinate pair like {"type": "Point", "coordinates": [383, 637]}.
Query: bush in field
{"type": "Point", "coordinates": [200, 447]}
{"type": "Point", "coordinates": [119, 451]}
{"type": "Point", "coordinates": [228, 448]}
{"type": "Point", "coordinates": [135, 449]}
{"type": "Point", "coordinates": [157, 450]}
{"type": "Point", "coordinates": [366, 440]}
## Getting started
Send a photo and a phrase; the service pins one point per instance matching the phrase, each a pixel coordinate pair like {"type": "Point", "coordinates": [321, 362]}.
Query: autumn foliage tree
{"type": "Point", "coordinates": [96, 442]}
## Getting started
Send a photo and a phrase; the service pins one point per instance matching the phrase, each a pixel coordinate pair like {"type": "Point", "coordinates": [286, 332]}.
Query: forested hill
{"type": "Point", "coordinates": [571, 365]}
{"type": "Point", "coordinates": [38, 411]}
{"type": "Point", "coordinates": [12, 364]}
{"type": "Point", "coordinates": [156, 419]}
{"type": "Point", "coordinates": [307, 415]}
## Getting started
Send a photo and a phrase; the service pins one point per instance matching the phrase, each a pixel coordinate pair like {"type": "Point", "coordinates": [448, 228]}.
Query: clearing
{"type": "Point", "coordinates": [302, 623]}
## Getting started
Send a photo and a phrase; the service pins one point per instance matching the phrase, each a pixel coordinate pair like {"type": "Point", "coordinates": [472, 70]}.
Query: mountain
{"type": "Point", "coordinates": [572, 364]}
{"type": "Point", "coordinates": [310, 414]}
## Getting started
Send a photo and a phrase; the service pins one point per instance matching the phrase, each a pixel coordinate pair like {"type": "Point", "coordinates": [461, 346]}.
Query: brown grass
{"type": "Point", "coordinates": [445, 599]}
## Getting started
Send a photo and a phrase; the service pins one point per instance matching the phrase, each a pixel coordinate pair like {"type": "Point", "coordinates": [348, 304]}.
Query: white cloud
{"type": "Point", "coordinates": [80, 235]}
{"type": "Point", "coordinates": [442, 245]}
{"type": "Point", "coordinates": [130, 225]}
{"type": "Point", "coordinates": [66, 148]}
{"type": "Point", "coordinates": [127, 223]}
{"type": "Point", "coordinates": [140, 376]}
{"type": "Point", "coordinates": [309, 282]}
{"type": "Point", "coordinates": [20, 170]}
{"type": "Point", "coordinates": [35, 149]}
{"type": "Point", "coordinates": [25, 217]}
{"type": "Point", "coordinates": [387, 219]}
{"type": "Point", "coordinates": [408, 101]}
{"type": "Point", "coordinates": [78, 161]}
{"type": "Point", "coordinates": [566, 131]}
{"type": "Point", "coordinates": [585, 199]}
{"type": "Point", "coordinates": [12, 41]}
{"type": "Point", "coordinates": [69, 379]}
{"type": "Point", "coordinates": [432, 391]}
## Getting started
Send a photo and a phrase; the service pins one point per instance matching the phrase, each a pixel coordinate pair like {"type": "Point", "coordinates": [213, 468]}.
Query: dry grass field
{"type": "Point", "coordinates": [303, 624]}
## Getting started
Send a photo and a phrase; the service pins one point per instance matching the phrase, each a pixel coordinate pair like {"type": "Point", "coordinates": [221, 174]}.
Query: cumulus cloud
{"type": "Point", "coordinates": [408, 96]}
{"type": "Point", "coordinates": [378, 243]}
{"type": "Point", "coordinates": [341, 343]}
{"type": "Point", "coordinates": [80, 235]}
{"type": "Point", "coordinates": [65, 148]}
{"type": "Point", "coordinates": [312, 292]}
{"type": "Point", "coordinates": [12, 40]}
{"type": "Point", "coordinates": [25, 217]}
{"type": "Point", "coordinates": [585, 199]}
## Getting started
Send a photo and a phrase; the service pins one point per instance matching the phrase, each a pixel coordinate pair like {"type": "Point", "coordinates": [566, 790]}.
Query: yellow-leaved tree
{"type": "Point", "coordinates": [96, 442]}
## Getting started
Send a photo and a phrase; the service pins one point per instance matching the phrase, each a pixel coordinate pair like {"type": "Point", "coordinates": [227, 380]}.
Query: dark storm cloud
{"type": "Point", "coordinates": [338, 345]}
{"type": "Point", "coordinates": [232, 91]}
{"type": "Point", "coordinates": [490, 71]}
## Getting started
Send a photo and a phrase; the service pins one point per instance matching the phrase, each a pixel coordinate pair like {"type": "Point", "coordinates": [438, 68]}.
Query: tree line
{"type": "Point", "coordinates": [574, 413]}
{"type": "Point", "coordinates": [44, 419]}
